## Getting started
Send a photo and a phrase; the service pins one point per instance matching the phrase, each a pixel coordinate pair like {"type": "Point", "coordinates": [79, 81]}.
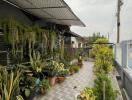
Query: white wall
{"type": "Point", "coordinates": [76, 42]}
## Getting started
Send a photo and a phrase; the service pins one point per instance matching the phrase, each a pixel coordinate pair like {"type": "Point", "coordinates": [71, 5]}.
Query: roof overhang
{"type": "Point", "coordinates": [55, 11]}
{"type": "Point", "coordinates": [72, 34]}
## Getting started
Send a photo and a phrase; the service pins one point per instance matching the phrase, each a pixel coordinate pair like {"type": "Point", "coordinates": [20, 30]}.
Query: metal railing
{"type": "Point", "coordinates": [123, 60]}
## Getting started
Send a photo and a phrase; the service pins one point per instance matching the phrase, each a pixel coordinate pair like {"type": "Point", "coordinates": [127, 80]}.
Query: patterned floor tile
{"type": "Point", "coordinates": [72, 85]}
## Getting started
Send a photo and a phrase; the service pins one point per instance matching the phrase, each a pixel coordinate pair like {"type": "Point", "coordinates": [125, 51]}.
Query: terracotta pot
{"type": "Point", "coordinates": [60, 79]}
{"type": "Point", "coordinates": [80, 64]}
{"type": "Point", "coordinates": [43, 92]}
{"type": "Point", "coordinates": [72, 72]}
{"type": "Point", "coordinates": [52, 81]}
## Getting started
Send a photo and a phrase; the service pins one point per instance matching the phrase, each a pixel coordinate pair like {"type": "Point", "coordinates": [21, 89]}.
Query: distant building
{"type": "Point", "coordinates": [74, 40]}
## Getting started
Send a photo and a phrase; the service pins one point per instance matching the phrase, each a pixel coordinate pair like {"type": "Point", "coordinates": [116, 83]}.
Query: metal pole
{"type": "Point", "coordinates": [104, 90]}
{"type": "Point", "coordinates": [118, 21]}
{"type": "Point", "coordinates": [119, 4]}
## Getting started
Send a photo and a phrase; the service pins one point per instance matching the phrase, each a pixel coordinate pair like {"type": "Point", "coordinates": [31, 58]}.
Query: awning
{"type": "Point", "coordinates": [55, 11]}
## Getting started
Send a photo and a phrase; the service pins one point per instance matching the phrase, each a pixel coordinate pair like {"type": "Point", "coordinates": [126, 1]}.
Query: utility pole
{"type": "Point", "coordinates": [119, 4]}
{"type": "Point", "coordinates": [108, 36]}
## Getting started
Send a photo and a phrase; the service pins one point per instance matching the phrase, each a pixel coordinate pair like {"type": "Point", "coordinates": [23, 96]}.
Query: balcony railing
{"type": "Point", "coordinates": [123, 59]}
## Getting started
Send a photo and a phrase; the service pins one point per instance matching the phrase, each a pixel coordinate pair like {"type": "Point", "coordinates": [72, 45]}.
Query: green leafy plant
{"type": "Point", "coordinates": [27, 84]}
{"type": "Point", "coordinates": [104, 60]}
{"type": "Point", "coordinates": [87, 94]}
{"type": "Point", "coordinates": [54, 68]}
{"type": "Point", "coordinates": [74, 68]}
{"type": "Point", "coordinates": [44, 85]}
{"type": "Point", "coordinates": [36, 62]}
{"type": "Point", "coordinates": [64, 72]}
{"type": "Point", "coordinates": [19, 97]}
{"type": "Point", "coordinates": [103, 88]}
{"type": "Point", "coordinates": [99, 43]}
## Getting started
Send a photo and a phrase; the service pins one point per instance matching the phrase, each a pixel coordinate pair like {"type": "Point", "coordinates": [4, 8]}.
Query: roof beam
{"type": "Point", "coordinates": [62, 19]}
{"type": "Point", "coordinates": [47, 7]}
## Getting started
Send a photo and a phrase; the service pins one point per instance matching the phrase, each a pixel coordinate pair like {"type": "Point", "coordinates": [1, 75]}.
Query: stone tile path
{"type": "Point", "coordinates": [72, 85]}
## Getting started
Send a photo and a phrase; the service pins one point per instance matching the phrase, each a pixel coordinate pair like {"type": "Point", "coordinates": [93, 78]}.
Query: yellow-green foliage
{"type": "Point", "coordinates": [74, 68]}
{"type": "Point", "coordinates": [103, 88]}
{"type": "Point", "coordinates": [87, 94]}
{"type": "Point", "coordinates": [103, 56]}
{"type": "Point", "coordinates": [9, 84]}
{"type": "Point", "coordinates": [36, 62]}
{"type": "Point", "coordinates": [100, 43]}
{"type": "Point", "coordinates": [104, 60]}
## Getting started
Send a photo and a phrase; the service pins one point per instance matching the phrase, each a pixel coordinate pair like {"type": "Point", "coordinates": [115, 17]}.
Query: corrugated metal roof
{"type": "Point", "coordinates": [56, 11]}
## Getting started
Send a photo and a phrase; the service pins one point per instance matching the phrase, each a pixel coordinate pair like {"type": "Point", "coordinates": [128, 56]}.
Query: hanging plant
{"type": "Point", "coordinates": [10, 29]}
{"type": "Point", "coordinates": [44, 40]}
{"type": "Point", "coordinates": [62, 48]}
{"type": "Point", "coordinates": [41, 36]}
{"type": "Point", "coordinates": [51, 42]}
{"type": "Point", "coordinates": [30, 36]}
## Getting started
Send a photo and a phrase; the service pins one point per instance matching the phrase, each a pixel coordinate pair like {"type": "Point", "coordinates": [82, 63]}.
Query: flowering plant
{"type": "Point", "coordinates": [54, 68]}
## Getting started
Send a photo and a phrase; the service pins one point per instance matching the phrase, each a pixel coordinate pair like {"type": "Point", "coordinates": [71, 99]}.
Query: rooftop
{"type": "Point", "coordinates": [55, 11]}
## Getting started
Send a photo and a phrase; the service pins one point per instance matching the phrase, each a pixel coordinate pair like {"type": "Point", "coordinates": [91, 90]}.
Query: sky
{"type": "Point", "coordinates": [100, 16]}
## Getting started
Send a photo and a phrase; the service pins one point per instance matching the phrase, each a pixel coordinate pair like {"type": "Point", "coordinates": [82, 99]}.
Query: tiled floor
{"type": "Point", "coordinates": [72, 85]}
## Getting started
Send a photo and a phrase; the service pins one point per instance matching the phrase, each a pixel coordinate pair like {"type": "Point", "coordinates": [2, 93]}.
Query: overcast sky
{"type": "Point", "coordinates": [100, 16]}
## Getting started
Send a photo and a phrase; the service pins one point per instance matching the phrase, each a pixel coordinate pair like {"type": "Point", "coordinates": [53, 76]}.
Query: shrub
{"type": "Point", "coordinates": [99, 44]}
{"type": "Point", "coordinates": [103, 86]}
{"type": "Point", "coordinates": [74, 68]}
{"type": "Point", "coordinates": [104, 60]}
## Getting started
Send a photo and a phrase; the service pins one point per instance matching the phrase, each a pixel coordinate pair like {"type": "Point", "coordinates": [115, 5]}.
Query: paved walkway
{"type": "Point", "coordinates": [72, 85]}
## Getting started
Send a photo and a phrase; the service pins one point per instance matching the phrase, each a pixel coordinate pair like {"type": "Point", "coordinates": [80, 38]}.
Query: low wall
{"type": "Point", "coordinates": [126, 76]}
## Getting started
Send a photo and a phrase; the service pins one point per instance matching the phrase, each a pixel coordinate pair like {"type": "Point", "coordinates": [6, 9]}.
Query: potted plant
{"type": "Point", "coordinates": [71, 70]}
{"type": "Point", "coordinates": [62, 75]}
{"type": "Point", "coordinates": [37, 63]}
{"type": "Point", "coordinates": [52, 72]}
{"type": "Point", "coordinates": [86, 94]}
{"type": "Point", "coordinates": [44, 86]}
{"type": "Point", "coordinates": [74, 69]}
{"type": "Point", "coordinates": [27, 85]}
{"type": "Point", "coordinates": [80, 61]}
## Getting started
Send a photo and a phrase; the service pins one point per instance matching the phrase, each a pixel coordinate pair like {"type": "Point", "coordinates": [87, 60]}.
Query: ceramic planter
{"type": "Point", "coordinates": [52, 81]}
{"type": "Point", "coordinates": [60, 79]}
{"type": "Point", "coordinates": [43, 92]}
